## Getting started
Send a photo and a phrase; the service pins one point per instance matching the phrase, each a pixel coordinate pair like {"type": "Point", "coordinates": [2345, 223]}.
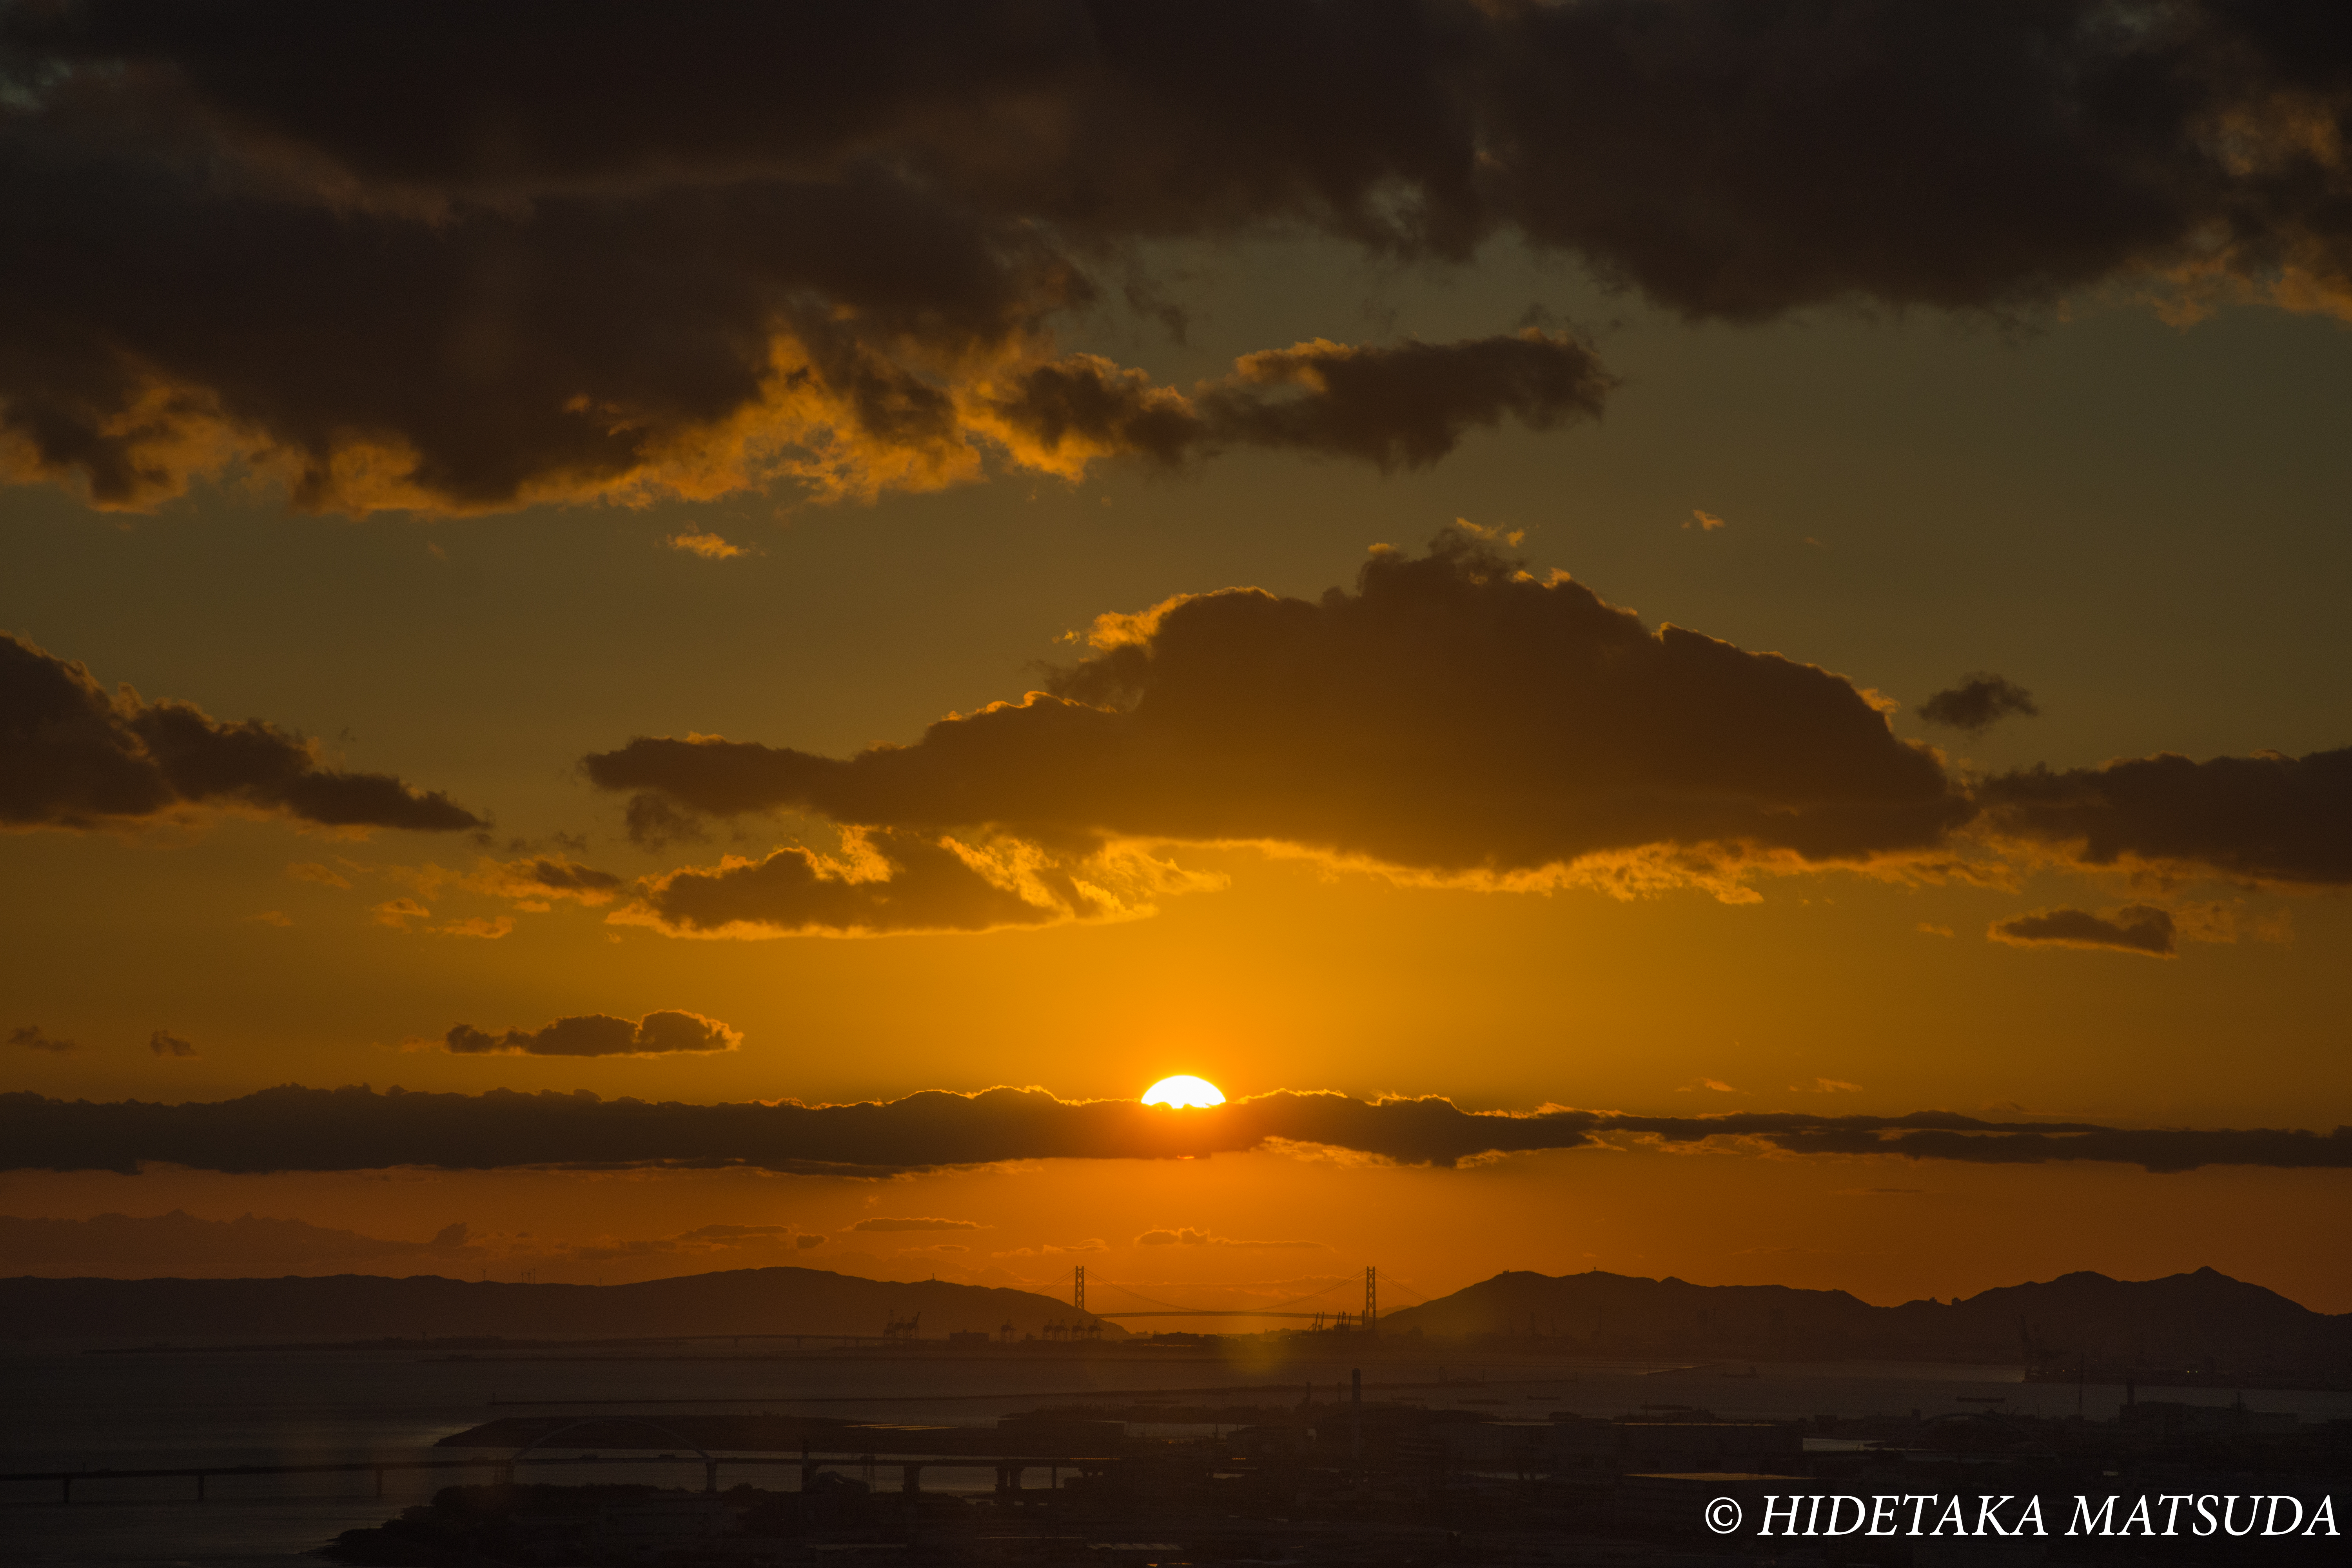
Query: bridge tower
{"type": "Point", "coordinates": [1078, 1290]}
{"type": "Point", "coordinates": [1372, 1298]}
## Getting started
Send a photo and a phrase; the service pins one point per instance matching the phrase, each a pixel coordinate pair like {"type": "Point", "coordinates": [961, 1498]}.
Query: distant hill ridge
{"type": "Point", "coordinates": [360, 1305]}
{"type": "Point", "coordinates": [2201, 1321]}
{"type": "Point", "coordinates": [2185, 1320]}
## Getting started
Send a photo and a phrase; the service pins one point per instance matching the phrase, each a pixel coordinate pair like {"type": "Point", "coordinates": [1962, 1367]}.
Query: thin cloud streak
{"type": "Point", "coordinates": [2142, 929]}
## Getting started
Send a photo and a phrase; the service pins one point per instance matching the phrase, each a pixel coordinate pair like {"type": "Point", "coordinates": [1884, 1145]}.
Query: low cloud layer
{"type": "Point", "coordinates": [1454, 716]}
{"type": "Point", "coordinates": [2142, 927]}
{"type": "Point", "coordinates": [1978, 703]}
{"type": "Point", "coordinates": [73, 755]}
{"type": "Point", "coordinates": [33, 1038]}
{"type": "Point", "coordinates": [885, 1224]}
{"type": "Point", "coordinates": [298, 1129]}
{"type": "Point", "coordinates": [422, 259]}
{"type": "Point", "coordinates": [599, 1035]}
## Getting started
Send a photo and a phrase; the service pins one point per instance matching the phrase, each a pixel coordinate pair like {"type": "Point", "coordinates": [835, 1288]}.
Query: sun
{"type": "Point", "coordinates": [1184, 1090]}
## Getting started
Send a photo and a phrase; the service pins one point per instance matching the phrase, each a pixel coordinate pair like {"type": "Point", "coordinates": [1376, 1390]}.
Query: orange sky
{"type": "Point", "coordinates": [775, 443]}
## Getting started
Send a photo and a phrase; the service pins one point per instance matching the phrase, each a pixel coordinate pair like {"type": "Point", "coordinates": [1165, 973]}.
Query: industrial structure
{"type": "Point", "coordinates": [1324, 1321]}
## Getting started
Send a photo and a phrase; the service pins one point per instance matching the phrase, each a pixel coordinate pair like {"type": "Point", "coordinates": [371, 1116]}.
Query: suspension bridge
{"type": "Point", "coordinates": [1295, 1308]}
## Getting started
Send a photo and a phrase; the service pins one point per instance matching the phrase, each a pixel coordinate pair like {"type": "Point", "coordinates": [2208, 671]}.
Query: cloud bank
{"type": "Point", "coordinates": [423, 260]}
{"type": "Point", "coordinates": [1454, 717]}
{"type": "Point", "coordinates": [73, 755]}
{"type": "Point", "coordinates": [296, 1129]}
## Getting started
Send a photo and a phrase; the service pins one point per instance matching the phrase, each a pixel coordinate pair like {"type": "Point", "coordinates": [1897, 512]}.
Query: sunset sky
{"type": "Point", "coordinates": [1620, 563]}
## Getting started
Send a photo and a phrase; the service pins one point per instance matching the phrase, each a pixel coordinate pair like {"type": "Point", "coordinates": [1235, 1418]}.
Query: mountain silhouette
{"type": "Point", "coordinates": [2204, 1321]}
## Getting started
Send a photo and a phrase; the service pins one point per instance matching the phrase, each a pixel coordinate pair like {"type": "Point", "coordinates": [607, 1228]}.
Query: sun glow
{"type": "Point", "coordinates": [1183, 1090]}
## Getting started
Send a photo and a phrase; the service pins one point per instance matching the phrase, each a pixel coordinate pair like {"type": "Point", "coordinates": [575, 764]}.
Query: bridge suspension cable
{"type": "Point", "coordinates": [1170, 1310]}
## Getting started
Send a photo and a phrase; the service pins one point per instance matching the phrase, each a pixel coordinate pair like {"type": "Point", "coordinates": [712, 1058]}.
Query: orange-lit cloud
{"type": "Point", "coordinates": [886, 881]}
{"type": "Point", "coordinates": [709, 547]}
{"type": "Point", "coordinates": [77, 756]}
{"type": "Point", "coordinates": [296, 1129]}
{"type": "Point", "coordinates": [478, 927]}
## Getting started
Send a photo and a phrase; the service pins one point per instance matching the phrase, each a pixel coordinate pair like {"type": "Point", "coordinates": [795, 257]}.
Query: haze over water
{"type": "Point", "coordinates": [71, 1410]}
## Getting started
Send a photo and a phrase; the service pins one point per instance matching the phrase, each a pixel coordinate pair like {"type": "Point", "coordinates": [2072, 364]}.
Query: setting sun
{"type": "Point", "coordinates": [1183, 1090]}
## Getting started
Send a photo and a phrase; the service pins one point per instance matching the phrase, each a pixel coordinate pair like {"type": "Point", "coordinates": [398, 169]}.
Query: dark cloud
{"type": "Point", "coordinates": [801, 1243]}
{"type": "Point", "coordinates": [600, 1035]}
{"type": "Point", "coordinates": [1979, 702]}
{"type": "Point", "coordinates": [2142, 927]}
{"type": "Point", "coordinates": [296, 1129]}
{"type": "Point", "coordinates": [31, 1038]}
{"type": "Point", "coordinates": [421, 256]}
{"type": "Point", "coordinates": [1404, 405]}
{"type": "Point", "coordinates": [163, 1043]}
{"type": "Point", "coordinates": [74, 756]}
{"type": "Point", "coordinates": [2266, 819]}
{"type": "Point", "coordinates": [1455, 716]}
{"type": "Point", "coordinates": [883, 1223]}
